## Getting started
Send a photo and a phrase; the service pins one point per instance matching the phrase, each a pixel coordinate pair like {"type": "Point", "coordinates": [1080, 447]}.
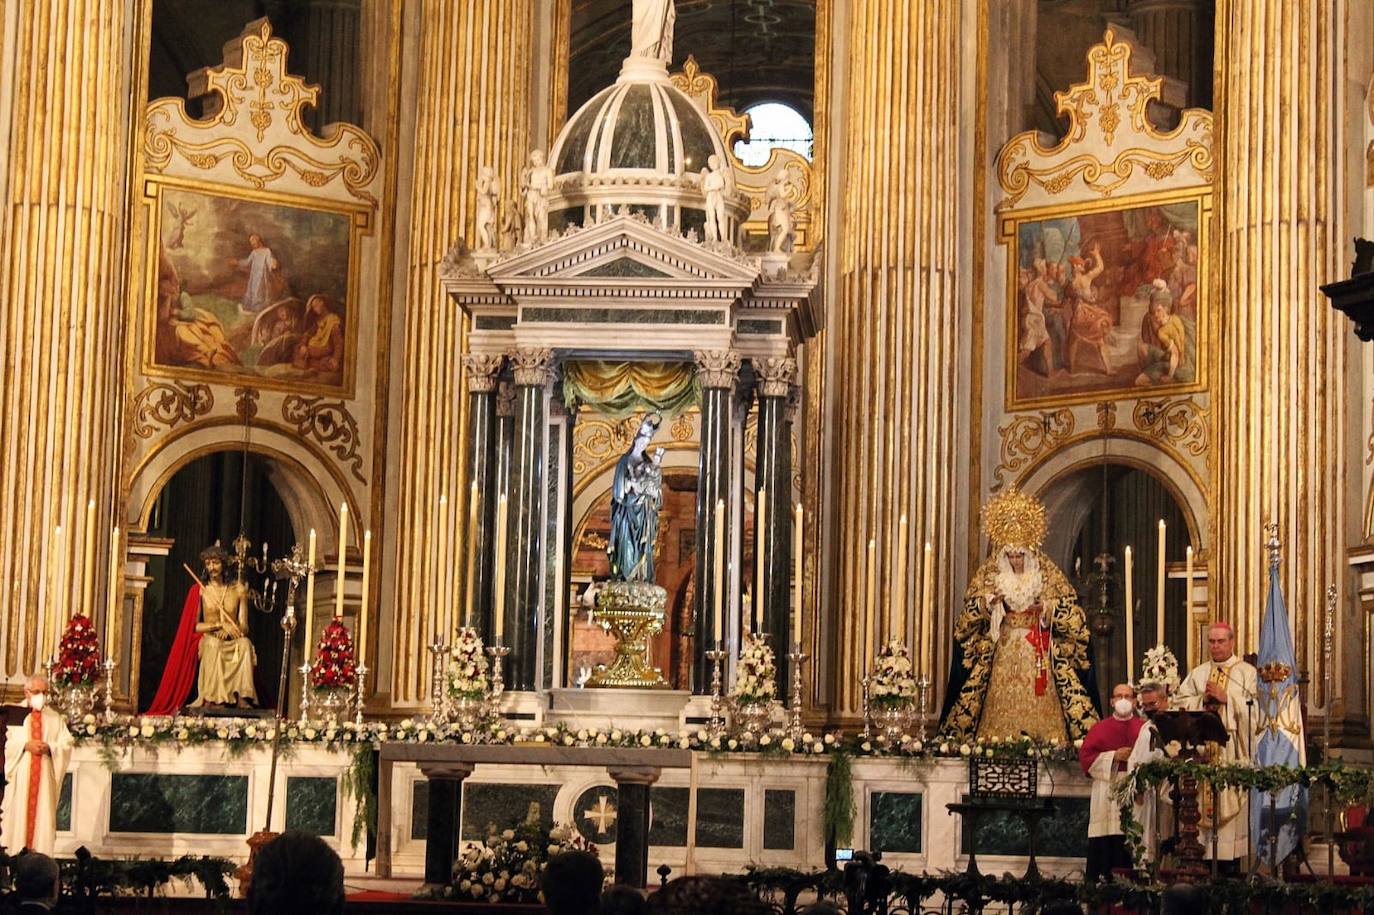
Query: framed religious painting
{"type": "Point", "coordinates": [1107, 300]}
{"type": "Point", "coordinates": [256, 289]}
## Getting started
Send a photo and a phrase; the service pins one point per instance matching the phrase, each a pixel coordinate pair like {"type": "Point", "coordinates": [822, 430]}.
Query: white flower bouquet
{"type": "Point", "coordinates": [508, 864]}
{"type": "Point", "coordinates": [756, 674]}
{"type": "Point", "coordinates": [1160, 667]}
{"type": "Point", "coordinates": [467, 667]}
{"type": "Point", "coordinates": [893, 684]}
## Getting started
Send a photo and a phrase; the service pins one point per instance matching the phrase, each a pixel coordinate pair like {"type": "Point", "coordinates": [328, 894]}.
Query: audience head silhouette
{"type": "Point", "coordinates": [296, 873]}
{"type": "Point", "coordinates": [572, 883]}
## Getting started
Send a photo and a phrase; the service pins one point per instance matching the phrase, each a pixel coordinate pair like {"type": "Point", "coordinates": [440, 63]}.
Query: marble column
{"type": "Point", "coordinates": [470, 110]}
{"type": "Point", "coordinates": [717, 372]}
{"type": "Point", "coordinates": [534, 371]}
{"type": "Point", "coordinates": [64, 178]}
{"type": "Point", "coordinates": [1280, 397]}
{"type": "Point", "coordinates": [1176, 32]}
{"type": "Point", "coordinates": [482, 371]}
{"type": "Point", "coordinates": [773, 529]}
{"type": "Point", "coordinates": [633, 784]}
{"type": "Point", "coordinates": [899, 324]}
{"type": "Point", "coordinates": [443, 819]}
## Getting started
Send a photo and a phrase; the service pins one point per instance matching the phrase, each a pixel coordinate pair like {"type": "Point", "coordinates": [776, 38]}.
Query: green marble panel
{"type": "Point", "coordinates": [894, 821]}
{"type": "Point", "coordinates": [720, 817]}
{"type": "Point", "coordinates": [312, 804]}
{"type": "Point", "coordinates": [634, 145]}
{"type": "Point", "coordinates": [757, 326]}
{"type": "Point", "coordinates": [64, 805]}
{"type": "Point", "coordinates": [622, 267]}
{"type": "Point", "coordinates": [779, 819]}
{"type": "Point", "coordinates": [494, 322]}
{"type": "Point", "coordinates": [1064, 835]}
{"type": "Point", "coordinates": [419, 811]}
{"type": "Point", "coordinates": [502, 806]}
{"type": "Point", "coordinates": [156, 803]}
{"type": "Point", "coordinates": [547, 315]}
{"type": "Point", "coordinates": [668, 816]}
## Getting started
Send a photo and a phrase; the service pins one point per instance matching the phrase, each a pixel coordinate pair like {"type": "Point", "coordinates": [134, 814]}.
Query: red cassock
{"type": "Point", "coordinates": [1108, 735]}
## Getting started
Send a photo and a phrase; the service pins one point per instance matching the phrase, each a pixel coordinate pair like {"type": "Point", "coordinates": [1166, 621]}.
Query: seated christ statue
{"type": "Point", "coordinates": [1022, 663]}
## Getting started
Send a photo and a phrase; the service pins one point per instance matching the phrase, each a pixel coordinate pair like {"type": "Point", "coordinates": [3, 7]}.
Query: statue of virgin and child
{"type": "Point", "coordinates": [636, 498]}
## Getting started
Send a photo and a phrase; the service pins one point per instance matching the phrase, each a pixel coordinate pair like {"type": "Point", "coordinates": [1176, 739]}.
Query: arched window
{"type": "Point", "coordinates": [774, 125]}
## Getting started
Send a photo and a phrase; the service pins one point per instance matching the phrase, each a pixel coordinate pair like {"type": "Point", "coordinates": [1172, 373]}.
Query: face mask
{"type": "Point", "coordinates": [37, 700]}
{"type": "Point", "coordinates": [1123, 708]}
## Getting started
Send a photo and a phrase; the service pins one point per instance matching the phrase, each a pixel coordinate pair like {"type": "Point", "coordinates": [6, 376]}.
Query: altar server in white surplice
{"type": "Point", "coordinates": [1226, 685]}
{"type": "Point", "coordinates": [36, 757]}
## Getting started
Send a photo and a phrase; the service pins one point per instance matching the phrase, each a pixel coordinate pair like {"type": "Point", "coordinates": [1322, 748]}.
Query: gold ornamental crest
{"type": "Point", "coordinates": [1013, 518]}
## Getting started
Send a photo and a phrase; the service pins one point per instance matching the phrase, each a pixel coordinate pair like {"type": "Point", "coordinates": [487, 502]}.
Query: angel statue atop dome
{"type": "Point", "coordinates": [651, 31]}
{"type": "Point", "coordinates": [1022, 662]}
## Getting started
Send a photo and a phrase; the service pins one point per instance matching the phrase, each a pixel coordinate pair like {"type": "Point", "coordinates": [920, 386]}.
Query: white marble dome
{"type": "Point", "coordinates": [639, 144]}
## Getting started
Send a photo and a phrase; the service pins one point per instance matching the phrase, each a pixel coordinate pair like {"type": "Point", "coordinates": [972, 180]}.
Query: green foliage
{"type": "Point", "coordinates": [839, 798]}
{"type": "Point", "coordinates": [357, 783]}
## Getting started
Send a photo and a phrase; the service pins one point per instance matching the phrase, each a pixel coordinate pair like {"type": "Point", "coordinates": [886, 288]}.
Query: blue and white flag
{"type": "Point", "coordinates": [1281, 741]}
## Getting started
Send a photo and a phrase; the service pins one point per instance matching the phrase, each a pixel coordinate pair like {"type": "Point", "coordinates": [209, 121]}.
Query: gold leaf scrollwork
{"type": "Point", "coordinates": [1026, 438]}
{"type": "Point", "coordinates": [330, 424]}
{"type": "Point", "coordinates": [168, 404]}
{"type": "Point", "coordinates": [598, 441]}
{"type": "Point", "coordinates": [1181, 423]}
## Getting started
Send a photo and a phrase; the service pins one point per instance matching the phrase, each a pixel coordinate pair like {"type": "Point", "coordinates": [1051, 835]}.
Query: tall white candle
{"type": "Point", "coordinates": [116, 596]}
{"type": "Point", "coordinates": [310, 597]}
{"type": "Point", "coordinates": [1188, 584]}
{"type": "Point", "coordinates": [88, 567]}
{"type": "Point", "coordinates": [361, 634]}
{"type": "Point", "coordinates": [1130, 617]}
{"type": "Point", "coordinates": [896, 625]}
{"type": "Point", "coordinates": [760, 533]}
{"type": "Point", "coordinates": [719, 568]}
{"type": "Point", "coordinates": [442, 614]}
{"type": "Point", "coordinates": [1159, 601]}
{"type": "Point", "coordinates": [343, 556]}
{"type": "Point", "coordinates": [870, 592]}
{"type": "Point", "coordinates": [502, 519]}
{"type": "Point", "coordinates": [56, 593]}
{"type": "Point", "coordinates": [472, 556]}
{"type": "Point", "coordinates": [797, 575]}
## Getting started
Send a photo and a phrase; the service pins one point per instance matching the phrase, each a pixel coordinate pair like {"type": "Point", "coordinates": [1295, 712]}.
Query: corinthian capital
{"type": "Point", "coordinates": [775, 375]}
{"type": "Point", "coordinates": [533, 367]}
{"type": "Point", "coordinates": [482, 370]}
{"type": "Point", "coordinates": [717, 368]}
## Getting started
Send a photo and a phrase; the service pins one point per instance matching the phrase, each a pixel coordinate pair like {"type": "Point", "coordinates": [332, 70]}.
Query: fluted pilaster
{"type": "Point", "coordinates": [1175, 32]}
{"type": "Point", "coordinates": [472, 99]}
{"type": "Point", "coordinates": [62, 263]}
{"type": "Point", "coordinates": [1281, 386]}
{"type": "Point", "coordinates": [897, 324]}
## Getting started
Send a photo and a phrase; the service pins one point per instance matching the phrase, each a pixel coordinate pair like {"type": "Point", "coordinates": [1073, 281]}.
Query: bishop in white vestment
{"type": "Point", "coordinates": [1227, 685]}
{"type": "Point", "coordinates": [36, 756]}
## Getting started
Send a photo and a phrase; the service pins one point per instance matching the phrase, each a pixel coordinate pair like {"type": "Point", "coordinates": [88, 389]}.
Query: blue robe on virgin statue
{"type": "Point", "coordinates": [636, 496]}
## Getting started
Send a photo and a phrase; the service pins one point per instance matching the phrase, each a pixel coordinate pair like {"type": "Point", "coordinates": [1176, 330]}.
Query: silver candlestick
{"type": "Point", "coordinates": [109, 666]}
{"type": "Point", "coordinates": [715, 726]}
{"type": "Point", "coordinates": [361, 673]}
{"type": "Point", "coordinates": [923, 685]}
{"type": "Point", "coordinates": [304, 671]}
{"type": "Point", "coordinates": [498, 679]}
{"type": "Point", "coordinates": [868, 718]}
{"type": "Point", "coordinates": [439, 653]}
{"type": "Point", "coordinates": [796, 658]}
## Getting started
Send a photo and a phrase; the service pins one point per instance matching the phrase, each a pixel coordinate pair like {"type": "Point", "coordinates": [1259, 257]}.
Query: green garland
{"type": "Point", "coordinates": [839, 811]}
{"type": "Point", "coordinates": [139, 876]}
{"type": "Point", "coordinates": [357, 783]}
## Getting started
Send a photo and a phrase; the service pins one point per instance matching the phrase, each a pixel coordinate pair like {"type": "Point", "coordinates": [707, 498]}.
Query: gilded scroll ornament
{"type": "Point", "coordinates": [1106, 415]}
{"type": "Point", "coordinates": [1027, 437]}
{"type": "Point", "coordinates": [330, 424]}
{"type": "Point", "coordinates": [1110, 141]}
{"type": "Point", "coordinates": [254, 103]}
{"type": "Point", "coordinates": [245, 403]}
{"type": "Point", "coordinates": [1181, 423]}
{"type": "Point", "coordinates": [598, 440]}
{"type": "Point", "coordinates": [169, 404]}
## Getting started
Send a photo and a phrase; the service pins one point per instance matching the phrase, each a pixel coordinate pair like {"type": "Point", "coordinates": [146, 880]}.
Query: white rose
{"type": "Point", "coordinates": [133, 730]}
{"type": "Point", "coordinates": [765, 740]}
{"type": "Point", "coordinates": [147, 730]}
{"type": "Point", "coordinates": [646, 740]}
{"type": "Point", "coordinates": [788, 745]}
{"type": "Point", "coordinates": [311, 733]}
{"type": "Point", "coordinates": [964, 749]}
{"type": "Point", "coordinates": [222, 733]}
{"type": "Point", "coordinates": [251, 731]}
{"type": "Point", "coordinates": [818, 747]}
{"type": "Point", "coordinates": [88, 719]}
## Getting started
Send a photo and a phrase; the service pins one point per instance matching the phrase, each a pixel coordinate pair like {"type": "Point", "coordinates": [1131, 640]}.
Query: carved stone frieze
{"type": "Point", "coordinates": [533, 366]}
{"type": "Point", "coordinates": [1027, 438]}
{"type": "Point", "coordinates": [330, 424]}
{"type": "Point", "coordinates": [717, 368]}
{"type": "Point", "coordinates": [776, 376]}
{"type": "Point", "coordinates": [482, 371]}
{"type": "Point", "coordinates": [169, 404]}
{"type": "Point", "coordinates": [1106, 415]}
{"type": "Point", "coordinates": [1181, 423]}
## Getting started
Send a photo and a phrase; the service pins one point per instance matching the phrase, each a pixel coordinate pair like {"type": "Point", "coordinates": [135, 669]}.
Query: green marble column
{"type": "Point", "coordinates": [534, 369]}
{"type": "Point", "coordinates": [482, 371]}
{"type": "Point", "coordinates": [717, 371]}
{"type": "Point", "coordinates": [773, 529]}
{"type": "Point", "coordinates": [504, 444]}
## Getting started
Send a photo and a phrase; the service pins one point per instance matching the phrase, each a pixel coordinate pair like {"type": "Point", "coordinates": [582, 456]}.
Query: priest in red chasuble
{"type": "Point", "coordinates": [1103, 758]}
{"type": "Point", "coordinates": [36, 756]}
{"type": "Point", "coordinates": [1022, 663]}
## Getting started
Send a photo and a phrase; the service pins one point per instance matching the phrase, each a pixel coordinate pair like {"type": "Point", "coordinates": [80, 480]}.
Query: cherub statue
{"type": "Point", "coordinates": [715, 184]}
{"type": "Point", "coordinates": [782, 231]}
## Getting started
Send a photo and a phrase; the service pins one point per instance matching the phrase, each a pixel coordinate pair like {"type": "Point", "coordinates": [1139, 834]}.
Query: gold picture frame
{"type": "Point", "coordinates": [1083, 282]}
{"type": "Point", "coordinates": [249, 288]}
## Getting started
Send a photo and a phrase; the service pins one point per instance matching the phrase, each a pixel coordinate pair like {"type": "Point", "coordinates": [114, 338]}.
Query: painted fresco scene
{"type": "Point", "coordinates": [1107, 302]}
{"type": "Point", "coordinates": [252, 289]}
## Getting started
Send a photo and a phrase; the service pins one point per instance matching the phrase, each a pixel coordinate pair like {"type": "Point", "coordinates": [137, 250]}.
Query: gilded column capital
{"type": "Point", "coordinates": [717, 368]}
{"type": "Point", "coordinates": [482, 370]}
{"type": "Point", "coordinates": [533, 366]}
{"type": "Point", "coordinates": [775, 375]}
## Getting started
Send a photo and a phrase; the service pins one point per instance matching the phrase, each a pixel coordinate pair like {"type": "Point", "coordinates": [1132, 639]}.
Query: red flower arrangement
{"type": "Point", "coordinates": [334, 666]}
{"type": "Point", "coordinates": [78, 654]}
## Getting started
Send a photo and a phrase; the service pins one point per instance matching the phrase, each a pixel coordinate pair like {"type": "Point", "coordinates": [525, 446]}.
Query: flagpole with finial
{"type": "Point", "coordinates": [1327, 632]}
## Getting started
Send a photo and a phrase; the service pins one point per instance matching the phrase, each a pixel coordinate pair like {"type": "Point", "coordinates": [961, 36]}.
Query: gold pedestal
{"type": "Point", "coordinates": [632, 612]}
